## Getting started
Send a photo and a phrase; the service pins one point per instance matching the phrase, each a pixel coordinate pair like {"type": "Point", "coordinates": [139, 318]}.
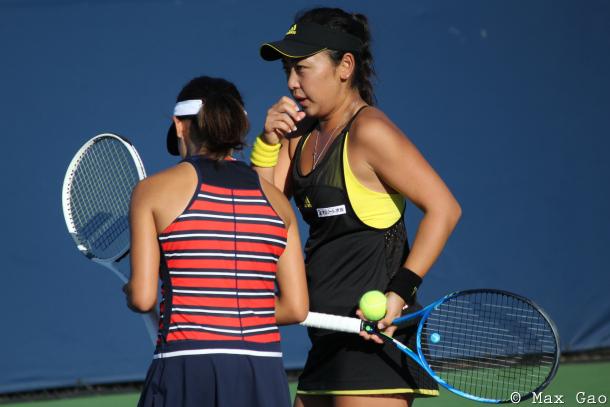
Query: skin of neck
{"type": "Point", "coordinates": [347, 101]}
{"type": "Point", "coordinates": [193, 149]}
{"type": "Point", "coordinates": [188, 148]}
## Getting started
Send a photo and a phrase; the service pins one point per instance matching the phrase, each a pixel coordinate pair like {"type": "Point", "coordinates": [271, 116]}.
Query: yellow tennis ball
{"type": "Point", "coordinates": [373, 305]}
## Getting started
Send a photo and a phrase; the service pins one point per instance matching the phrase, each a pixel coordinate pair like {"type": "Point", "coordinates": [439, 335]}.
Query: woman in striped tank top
{"type": "Point", "coordinates": [220, 239]}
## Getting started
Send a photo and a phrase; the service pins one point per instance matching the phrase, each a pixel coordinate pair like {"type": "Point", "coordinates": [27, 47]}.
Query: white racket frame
{"type": "Point", "coordinates": [151, 318]}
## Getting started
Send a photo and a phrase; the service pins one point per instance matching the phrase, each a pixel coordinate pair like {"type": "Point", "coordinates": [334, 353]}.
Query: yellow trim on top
{"type": "Point", "coordinates": [378, 210]}
{"type": "Point", "coordinates": [425, 392]}
{"type": "Point", "coordinates": [292, 56]}
{"type": "Point", "coordinates": [305, 142]}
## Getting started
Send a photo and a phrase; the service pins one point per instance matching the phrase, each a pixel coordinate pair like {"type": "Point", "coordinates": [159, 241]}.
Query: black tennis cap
{"type": "Point", "coordinates": [306, 39]}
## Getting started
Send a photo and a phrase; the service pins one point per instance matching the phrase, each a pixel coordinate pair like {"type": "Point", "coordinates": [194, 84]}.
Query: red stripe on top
{"type": "Point", "coordinates": [227, 322]}
{"type": "Point", "coordinates": [200, 244]}
{"type": "Point", "coordinates": [230, 209]}
{"type": "Point", "coordinates": [250, 303]}
{"type": "Point", "coordinates": [227, 191]}
{"type": "Point", "coordinates": [209, 336]}
{"type": "Point", "coordinates": [211, 264]}
{"type": "Point", "coordinates": [176, 263]}
{"type": "Point", "coordinates": [263, 338]}
{"type": "Point", "coordinates": [252, 247]}
{"type": "Point", "coordinates": [223, 283]}
{"type": "Point", "coordinates": [215, 226]}
{"type": "Point", "coordinates": [200, 336]}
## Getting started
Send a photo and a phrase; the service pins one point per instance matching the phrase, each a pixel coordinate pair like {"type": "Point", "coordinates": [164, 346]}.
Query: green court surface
{"type": "Point", "coordinates": [590, 378]}
{"type": "Point", "coordinates": [593, 379]}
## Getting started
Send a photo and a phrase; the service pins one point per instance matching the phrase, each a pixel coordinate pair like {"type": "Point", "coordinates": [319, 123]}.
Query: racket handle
{"type": "Point", "coordinates": [151, 319]}
{"type": "Point", "coordinates": [333, 322]}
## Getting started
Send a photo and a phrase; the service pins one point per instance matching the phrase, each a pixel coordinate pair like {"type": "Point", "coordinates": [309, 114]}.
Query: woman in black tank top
{"type": "Point", "coordinates": [328, 65]}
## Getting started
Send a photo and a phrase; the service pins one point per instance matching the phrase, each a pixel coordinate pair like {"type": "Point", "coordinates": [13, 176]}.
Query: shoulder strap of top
{"type": "Point", "coordinates": [343, 132]}
{"type": "Point", "coordinates": [349, 123]}
{"type": "Point", "coordinates": [301, 143]}
{"type": "Point", "coordinates": [297, 152]}
{"type": "Point", "coordinates": [196, 163]}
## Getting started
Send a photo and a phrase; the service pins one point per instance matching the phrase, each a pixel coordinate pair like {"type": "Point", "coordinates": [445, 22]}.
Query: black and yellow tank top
{"type": "Point", "coordinates": [344, 256]}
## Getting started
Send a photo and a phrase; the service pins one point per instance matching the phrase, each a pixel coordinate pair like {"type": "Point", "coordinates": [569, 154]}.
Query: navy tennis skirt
{"type": "Point", "coordinates": [216, 380]}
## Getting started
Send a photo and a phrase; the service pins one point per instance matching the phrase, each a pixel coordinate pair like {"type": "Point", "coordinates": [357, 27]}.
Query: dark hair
{"type": "Point", "coordinates": [222, 123]}
{"type": "Point", "coordinates": [354, 24]}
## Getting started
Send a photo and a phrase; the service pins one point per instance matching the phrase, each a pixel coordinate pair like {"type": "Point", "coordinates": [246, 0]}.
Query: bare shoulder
{"type": "Point", "coordinates": [373, 127]}
{"type": "Point", "coordinates": [279, 201]}
{"type": "Point", "coordinates": [163, 183]}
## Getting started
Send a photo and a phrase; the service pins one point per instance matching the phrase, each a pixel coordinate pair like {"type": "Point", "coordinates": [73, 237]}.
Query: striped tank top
{"type": "Point", "coordinates": [218, 266]}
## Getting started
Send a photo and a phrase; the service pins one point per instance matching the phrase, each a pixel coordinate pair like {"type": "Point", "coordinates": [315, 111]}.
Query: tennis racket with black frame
{"type": "Point", "coordinates": [486, 345]}
{"type": "Point", "coordinates": [95, 197]}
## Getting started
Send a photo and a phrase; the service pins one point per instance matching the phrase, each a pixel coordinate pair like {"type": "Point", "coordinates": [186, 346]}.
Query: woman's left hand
{"type": "Point", "coordinates": [394, 309]}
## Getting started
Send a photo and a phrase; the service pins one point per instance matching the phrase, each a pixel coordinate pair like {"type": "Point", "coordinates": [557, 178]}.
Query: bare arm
{"type": "Point", "coordinates": [142, 287]}
{"type": "Point", "coordinates": [292, 302]}
{"type": "Point", "coordinates": [400, 165]}
{"type": "Point", "coordinates": [282, 119]}
{"type": "Point", "coordinates": [391, 157]}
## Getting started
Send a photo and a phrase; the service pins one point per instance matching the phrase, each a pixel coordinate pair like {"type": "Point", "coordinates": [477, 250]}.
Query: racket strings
{"type": "Point", "coordinates": [99, 197]}
{"type": "Point", "coordinates": [489, 345]}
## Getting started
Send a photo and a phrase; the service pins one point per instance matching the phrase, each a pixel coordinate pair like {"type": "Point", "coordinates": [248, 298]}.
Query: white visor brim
{"type": "Point", "coordinates": [188, 107]}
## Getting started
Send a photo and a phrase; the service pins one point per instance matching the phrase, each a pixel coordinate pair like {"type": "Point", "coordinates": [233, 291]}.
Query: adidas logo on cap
{"type": "Point", "coordinates": [292, 30]}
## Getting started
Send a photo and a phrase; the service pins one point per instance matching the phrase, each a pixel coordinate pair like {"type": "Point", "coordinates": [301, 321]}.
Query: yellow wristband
{"type": "Point", "coordinates": [259, 143]}
{"type": "Point", "coordinates": [263, 154]}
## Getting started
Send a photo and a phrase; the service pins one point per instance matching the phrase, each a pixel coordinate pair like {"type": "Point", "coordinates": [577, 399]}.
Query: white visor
{"type": "Point", "coordinates": [188, 107]}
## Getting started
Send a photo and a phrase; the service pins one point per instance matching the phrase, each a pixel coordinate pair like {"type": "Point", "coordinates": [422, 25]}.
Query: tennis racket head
{"type": "Point", "coordinates": [96, 194]}
{"type": "Point", "coordinates": [489, 345]}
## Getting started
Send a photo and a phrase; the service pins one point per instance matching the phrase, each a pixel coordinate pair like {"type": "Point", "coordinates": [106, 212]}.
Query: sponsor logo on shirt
{"type": "Point", "coordinates": [331, 211]}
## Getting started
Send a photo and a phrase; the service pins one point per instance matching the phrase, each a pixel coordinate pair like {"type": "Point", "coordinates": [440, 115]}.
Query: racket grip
{"type": "Point", "coordinates": [333, 322]}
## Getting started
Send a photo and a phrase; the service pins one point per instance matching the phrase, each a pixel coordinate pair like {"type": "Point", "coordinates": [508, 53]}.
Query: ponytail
{"type": "Point", "coordinates": [222, 123]}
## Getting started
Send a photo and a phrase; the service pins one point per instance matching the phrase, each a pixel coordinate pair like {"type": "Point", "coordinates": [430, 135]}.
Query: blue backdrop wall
{"type": "Point", "coordinates": [509, 101]}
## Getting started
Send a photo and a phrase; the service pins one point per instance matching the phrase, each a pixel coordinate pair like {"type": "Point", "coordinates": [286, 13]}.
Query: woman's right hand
{"type": "Point", "coordinates": [282, 119]}
{"type": "Point", "coordinates": [394, 308]}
